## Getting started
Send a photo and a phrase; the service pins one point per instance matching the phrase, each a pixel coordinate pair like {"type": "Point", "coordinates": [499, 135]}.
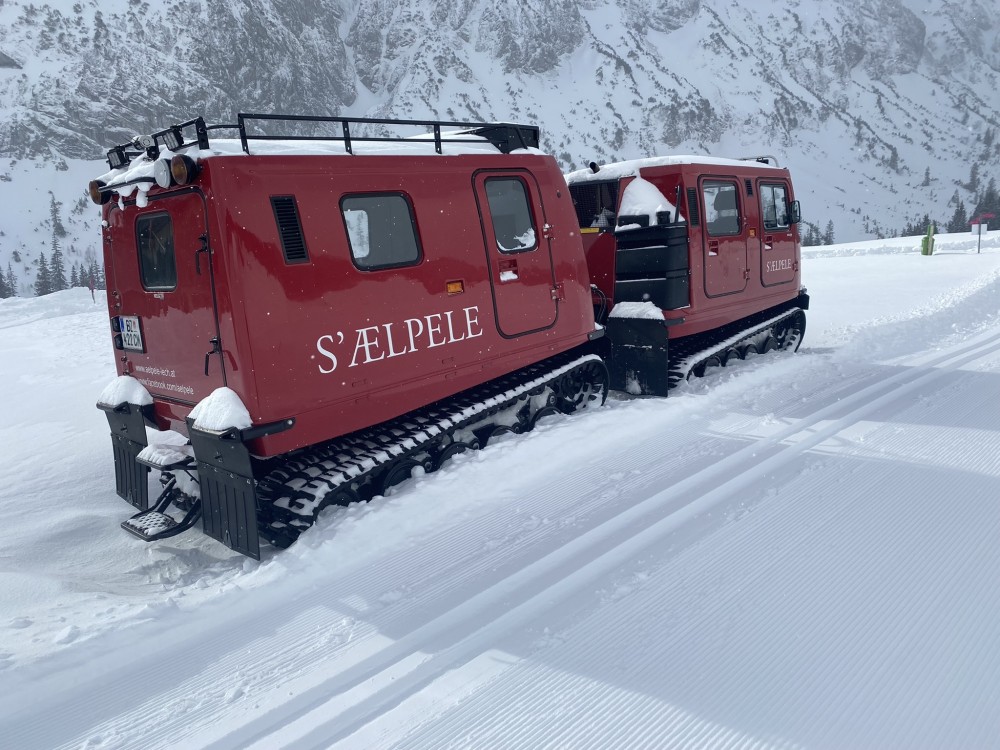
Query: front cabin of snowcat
{"type": "Point", "coordinates": [683, 245]}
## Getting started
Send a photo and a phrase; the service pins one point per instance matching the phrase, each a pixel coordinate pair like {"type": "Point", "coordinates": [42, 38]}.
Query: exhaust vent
{"type": "Point", "coordinates": [286, 214]}
{"type": "Point", "coordinates": [749, 184]}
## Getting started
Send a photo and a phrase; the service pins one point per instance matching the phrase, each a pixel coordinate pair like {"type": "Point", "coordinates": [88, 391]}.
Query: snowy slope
{"type": "Point", "coordinates": [880, 108]}
{"type": "Point", "coordinates": [799, 551]}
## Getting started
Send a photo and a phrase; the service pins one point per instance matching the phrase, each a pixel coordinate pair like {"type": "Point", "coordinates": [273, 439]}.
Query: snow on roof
{"type": "Point", "coordinates": [643, 198]}
{"type": "Point", "coordinates": [631, 168]}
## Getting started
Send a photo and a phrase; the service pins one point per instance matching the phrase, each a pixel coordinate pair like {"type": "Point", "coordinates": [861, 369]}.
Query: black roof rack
{"type": "Point", "coordinates": [505, 136]}
{"type": "Point", "coordinates": [761, 159]}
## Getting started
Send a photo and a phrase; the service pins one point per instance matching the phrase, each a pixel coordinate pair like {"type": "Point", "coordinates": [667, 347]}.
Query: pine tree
{"type": "Point", "coordinates": [11, 281]}
{"type": "Point", "coordinates": [989, 202]}
{"type": "Point", "coordinates": [57, 226]}
{"type": "Point", "coordinates": [43, 284]}
{"type": "Point", "coordinates": [74, 278]}
{"type": "Point", "coordinates": [927, 177]}
{"type": "Point", "coordinates": [4, 290]}
{"type": "Point", "coordinates": [973, 184]}
{"type": "Point", "coordinates": [828, 234]}
{"type": "Point", "coordinates": [57, 269]}
{"type": "Point", "coordinates": [959, 221]}
{"type": "Point", "coordinates": [95, 274]}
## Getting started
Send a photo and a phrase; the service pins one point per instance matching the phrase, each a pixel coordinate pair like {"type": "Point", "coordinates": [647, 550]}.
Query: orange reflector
{"type": "Point", "coordinates": [456, 287]}
{"type": "Point", "coordinates": [589, 230]}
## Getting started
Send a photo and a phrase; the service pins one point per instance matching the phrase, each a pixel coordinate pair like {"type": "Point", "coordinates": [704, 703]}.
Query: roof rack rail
{"type": "Point", "coordinates": [505, 136]}
{"type": "Point", "coordinates": [761, 159]}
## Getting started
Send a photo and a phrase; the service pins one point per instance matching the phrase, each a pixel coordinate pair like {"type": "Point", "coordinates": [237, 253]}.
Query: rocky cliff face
{"type": "Point", "coordinates": [880, 107]}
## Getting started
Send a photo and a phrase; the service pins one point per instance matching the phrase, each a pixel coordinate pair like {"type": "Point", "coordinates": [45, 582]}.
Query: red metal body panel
{"type": "Point", "coordinates": [333, 346]}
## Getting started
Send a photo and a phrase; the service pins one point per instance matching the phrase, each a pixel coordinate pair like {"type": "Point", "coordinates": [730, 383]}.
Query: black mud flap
{"type": "Point", "coordinates": [228, 489]}
{"type": "Point", "coordinates": [128, 438]}
{"type": "Point", "coordinates": [639, 356]}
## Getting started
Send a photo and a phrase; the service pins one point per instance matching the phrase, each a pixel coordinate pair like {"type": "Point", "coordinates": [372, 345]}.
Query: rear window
{"type": "Point", "coordinates": [155, 243]}
{"type": "Point", "coordinates": [381, 230]}
{"type": "Point", "coordinates": [595, 203]}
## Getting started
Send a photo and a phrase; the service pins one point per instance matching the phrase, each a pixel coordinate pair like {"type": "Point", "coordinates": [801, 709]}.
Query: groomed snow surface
{"type": "Point", "coordinates": [802, 550]}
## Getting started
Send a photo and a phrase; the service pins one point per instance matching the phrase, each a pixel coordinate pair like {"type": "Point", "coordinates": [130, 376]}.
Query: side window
{"type": "Point", "coordinates": [721, 208]}
{"type": "Point", "coordinates": [774, 203]}
{"type": "Point", "coordinates": [513, 226]}
{"type": "Point", "coordinates": [154, 239]}
{"type": "Point", "coordinates": [381, 230]}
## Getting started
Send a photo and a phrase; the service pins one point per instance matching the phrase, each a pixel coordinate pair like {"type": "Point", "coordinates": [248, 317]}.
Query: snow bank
{"type": "Point", "coordinates": [19, 311]}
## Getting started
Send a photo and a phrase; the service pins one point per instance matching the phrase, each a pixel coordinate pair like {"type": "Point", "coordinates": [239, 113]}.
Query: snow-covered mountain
{"type": "Point", "coordinates": [882, 108]}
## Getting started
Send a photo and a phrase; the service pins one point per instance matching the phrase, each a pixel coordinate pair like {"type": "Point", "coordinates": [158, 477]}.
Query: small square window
{"type": "Point", "coordinates": [381, 231]}
{"type": "Point", "coordinates": [155, 243]}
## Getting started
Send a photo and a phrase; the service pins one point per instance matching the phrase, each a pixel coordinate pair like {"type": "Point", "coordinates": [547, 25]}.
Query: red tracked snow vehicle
{"type": "Point", "coordinates": [320, 315]}
{"type": "Point", "coordinates": [697, 260]}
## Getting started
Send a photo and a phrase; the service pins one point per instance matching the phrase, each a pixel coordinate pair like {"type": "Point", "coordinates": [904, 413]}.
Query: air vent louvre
{"type": "Point", "coordinates": [749, 184]}
{"type": "Point", "coordinates": [694, 217]}
{"type": "Point", "coordinates": [286, 214]}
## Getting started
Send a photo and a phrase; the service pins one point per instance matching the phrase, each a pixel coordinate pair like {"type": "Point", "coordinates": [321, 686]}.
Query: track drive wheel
{"type": "Point", "coordinates": [585, 386]}
{"type": "Point", "coordinates": [398, 473]}
{"type": "Point", "coordinates": [453, 449]}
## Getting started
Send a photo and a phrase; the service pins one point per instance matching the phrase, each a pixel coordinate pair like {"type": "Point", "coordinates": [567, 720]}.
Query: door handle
{"type": "Point", "coordinates": [768, 241]}
{"type": "Point", "coordinates": [216, 349]}
{"type": "Point", "coordinates": [713, 247]}
{"type": "Point", "coordinates": [197, 253]}
{"type": "Point", "coordinates": [508, 270]}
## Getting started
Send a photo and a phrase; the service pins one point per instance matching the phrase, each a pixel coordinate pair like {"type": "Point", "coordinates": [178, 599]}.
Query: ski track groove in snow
{"type": "Point", "coordinates": [321, 723]}
{"type": "Point", "coordinates": [385, 676]}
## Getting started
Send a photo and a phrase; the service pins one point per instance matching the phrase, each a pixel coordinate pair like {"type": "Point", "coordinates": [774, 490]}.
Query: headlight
{"type": "Point", "coordinates": [161, 173]}
{"type": "Point", "coordinates": [94, 188]}
{"type": "Point", "coordinates": [183, 169]}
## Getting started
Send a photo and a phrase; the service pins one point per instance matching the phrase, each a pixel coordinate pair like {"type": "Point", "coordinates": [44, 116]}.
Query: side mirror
{"type": "Point", "coordinates": [794, 212]}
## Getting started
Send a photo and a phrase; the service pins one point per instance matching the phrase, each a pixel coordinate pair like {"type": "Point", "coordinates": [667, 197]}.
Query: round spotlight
{"type": "Point", "coordinates": [94, 188]}
{"type": "Point", "coordinates": [162, 174]}
{"type": "Point", "coordinates": [183, 169]}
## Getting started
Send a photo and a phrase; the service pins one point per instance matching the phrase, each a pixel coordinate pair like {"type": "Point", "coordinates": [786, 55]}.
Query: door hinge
{"type": "Point", "coordinates": [558, 293]}
{"type": "Point", "coordinates": [746, 273]}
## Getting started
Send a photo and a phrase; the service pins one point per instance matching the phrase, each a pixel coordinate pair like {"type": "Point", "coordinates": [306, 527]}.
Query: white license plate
{"type": "Point", "coordinates": [131, 333]}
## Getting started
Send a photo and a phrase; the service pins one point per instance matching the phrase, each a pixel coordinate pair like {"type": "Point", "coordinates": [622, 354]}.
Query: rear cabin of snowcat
{"type": "Point", "coordinates": [331, 283]}
{"type": "Point", "coordinates": [683, 252]}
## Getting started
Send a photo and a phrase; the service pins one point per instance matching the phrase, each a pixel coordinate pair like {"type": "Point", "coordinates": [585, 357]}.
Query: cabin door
{"type": "Point", "coordinates": [164, 286]}
{"type": "Point", "coordinates": [725, 251]}
{"type": "Point", "coordinates": [517, 248]}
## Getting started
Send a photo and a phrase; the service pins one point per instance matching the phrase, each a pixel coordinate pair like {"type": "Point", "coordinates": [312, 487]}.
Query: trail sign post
{"type": "Point", "coordinates": [980, 227]}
